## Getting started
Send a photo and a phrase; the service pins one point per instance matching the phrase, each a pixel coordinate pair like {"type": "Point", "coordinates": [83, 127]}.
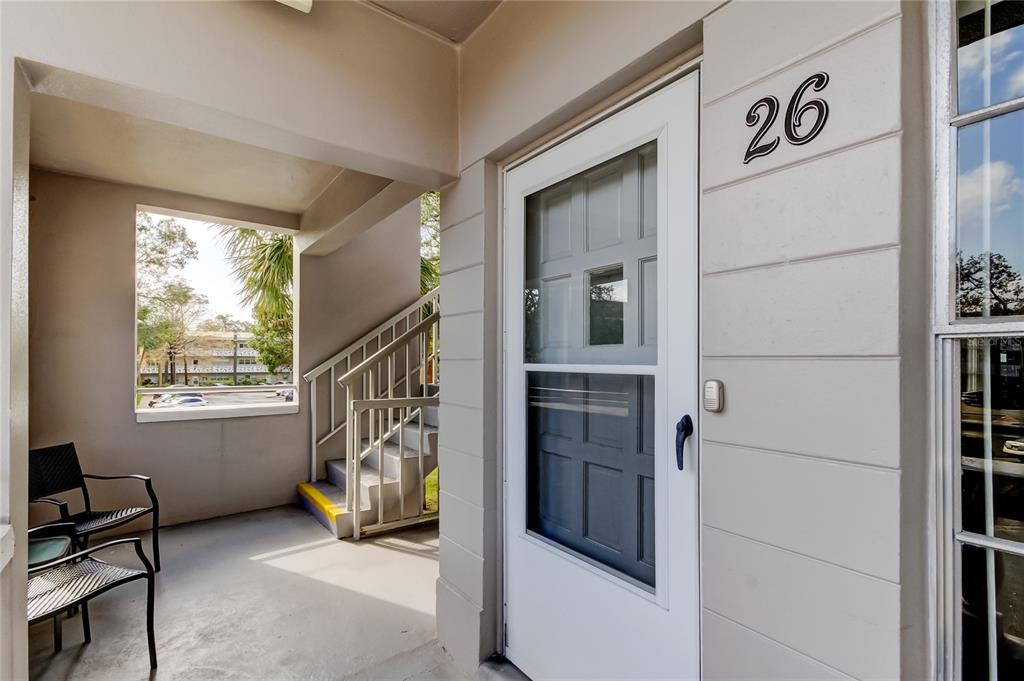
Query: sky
{"type": "Point", "coordinates": [990, 155]}
{"type": "Point", "coordinates": [210, 274]}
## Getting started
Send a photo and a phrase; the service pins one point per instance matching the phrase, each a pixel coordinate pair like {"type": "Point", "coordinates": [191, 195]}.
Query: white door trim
{"type": "Point", "coordinates": [504, 252]}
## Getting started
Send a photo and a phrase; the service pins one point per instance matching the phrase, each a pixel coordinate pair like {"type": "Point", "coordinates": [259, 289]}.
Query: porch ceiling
{"type": "Point", "coordinates": [72, 137]}
{"type": "Point", "coordinates": [454, 19]}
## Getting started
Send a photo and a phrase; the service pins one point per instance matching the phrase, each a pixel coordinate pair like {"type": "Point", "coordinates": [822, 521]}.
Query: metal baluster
{"type": "Point", "coordinates": [356, 468]}
{"type": "Point", "coordinates": [391, 381]}
{"type": "Point", "coordinates": [419, 456]}
{"type": "Point", "coordinates": [313, 431]}
{"type": "Point", "coordinates": [403, 414]}
{"type": "Point", "coordinates": [334, 390]}
{"type": "Point", "coordinates": [380, 471]}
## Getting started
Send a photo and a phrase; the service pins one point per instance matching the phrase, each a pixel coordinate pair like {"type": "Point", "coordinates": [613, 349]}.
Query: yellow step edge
{"type": "Point", "coordinates": [323, 504]}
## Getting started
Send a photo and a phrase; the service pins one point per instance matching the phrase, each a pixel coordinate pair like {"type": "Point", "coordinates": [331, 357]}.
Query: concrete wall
{"type": "Point", "coordinates": [344, 84]}
{"type": "Point", "coordinates": [82, 237]}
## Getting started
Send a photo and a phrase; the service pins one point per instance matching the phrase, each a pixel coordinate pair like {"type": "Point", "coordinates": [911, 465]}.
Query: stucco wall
{"type": "Point", "coordinates": [82, 235]}
{"type": "Point", "coordinates": [344, 84]}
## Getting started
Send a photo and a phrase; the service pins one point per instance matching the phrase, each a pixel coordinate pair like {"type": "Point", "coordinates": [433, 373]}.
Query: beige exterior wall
{"type": "Point", "coordinates": [82, 239]}
{"type": "Point", "coordinates": [469, 586]}
{"type": "Point", "coordinates": [257, 72]}
{"type": "Point", "coordinates": [815, 292]}
{"type": "Point", "coordinates": [350, 292]}
{"type": "Point", "coordinates": [815, 300]}
{"type": "Point", "coordinates": [14, 208]}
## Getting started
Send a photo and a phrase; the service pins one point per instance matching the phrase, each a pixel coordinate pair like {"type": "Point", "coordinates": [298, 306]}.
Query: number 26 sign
{"type": "Point", "coordinates": [795, 113]}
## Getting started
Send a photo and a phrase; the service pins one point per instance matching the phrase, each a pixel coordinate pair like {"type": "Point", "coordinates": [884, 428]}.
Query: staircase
{"type": "Point", "coordinates": [373, 467]}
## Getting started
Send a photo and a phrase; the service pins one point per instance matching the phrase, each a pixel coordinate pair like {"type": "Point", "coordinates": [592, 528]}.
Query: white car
{"type": "Point", "coordinates": [180, 401]}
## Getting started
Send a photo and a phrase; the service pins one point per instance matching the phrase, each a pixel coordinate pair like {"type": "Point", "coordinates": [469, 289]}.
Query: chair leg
{"type": "Point", "coordinates": [58, 638]}
{"type": "Point", "coordinates": [149, 622]}
{"type": "Point", "coordinates": [156, 541]}
{"type": "Point", "coordinates": [86, 630]}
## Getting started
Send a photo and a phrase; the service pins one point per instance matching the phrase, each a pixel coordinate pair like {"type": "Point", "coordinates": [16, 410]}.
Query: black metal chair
{"type": "Point", "coordinates": [53, 470]}
{"type": "Point", "coordinates": [74, 580]}
{"type": "Point", "coordinates": [47, 543]}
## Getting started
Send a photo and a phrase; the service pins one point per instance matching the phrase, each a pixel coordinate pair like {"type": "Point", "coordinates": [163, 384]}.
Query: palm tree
{"type": "Point", "coordinates": [263, 265]}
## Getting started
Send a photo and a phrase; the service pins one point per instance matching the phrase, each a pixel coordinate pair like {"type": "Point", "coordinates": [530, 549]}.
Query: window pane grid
{"type": "Point", "coordinates": [989, 513]}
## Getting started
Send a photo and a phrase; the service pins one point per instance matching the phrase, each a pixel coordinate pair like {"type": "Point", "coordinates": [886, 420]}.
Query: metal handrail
{"type": "Point", "coordinates": [376, 358]}
{"type": "Point", "coordinates": [396, 403]}
{"type": "Point", "coordinates": [408, 408]}
{"type": "Point", "coordinates": [326, 365]}
{"type": "Point", "coordinates": [388, 341]}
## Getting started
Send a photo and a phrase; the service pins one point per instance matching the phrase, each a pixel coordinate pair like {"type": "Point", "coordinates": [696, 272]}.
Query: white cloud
{"type": "Point", "coordinates": [993, 184]}
{"type": "Point", "coordinates": [971, 58]}
{"type": "Point", "coordinates": [1015, 85]}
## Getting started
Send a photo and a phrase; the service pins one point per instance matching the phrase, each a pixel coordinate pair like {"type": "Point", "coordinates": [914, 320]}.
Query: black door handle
{"type": "Point", "coordinates": [683, 430]}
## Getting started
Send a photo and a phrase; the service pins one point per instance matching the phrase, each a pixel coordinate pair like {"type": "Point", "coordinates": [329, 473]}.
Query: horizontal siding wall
{"type": "Point", "coordinates": [468, 589]}
{"type": "Point", "coordinates": [801, 321]}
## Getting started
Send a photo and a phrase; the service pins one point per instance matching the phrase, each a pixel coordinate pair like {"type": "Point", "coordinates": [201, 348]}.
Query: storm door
{"type": "Point", "coordinates": [601, 496]}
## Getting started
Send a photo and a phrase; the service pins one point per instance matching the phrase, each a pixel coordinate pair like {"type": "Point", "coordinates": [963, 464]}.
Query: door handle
{"type": "Point", "coordinates": [684, 429]}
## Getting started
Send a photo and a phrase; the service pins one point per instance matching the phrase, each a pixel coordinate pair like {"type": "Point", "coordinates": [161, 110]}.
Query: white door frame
{"type": "Point", "coordinates": [691, 66]}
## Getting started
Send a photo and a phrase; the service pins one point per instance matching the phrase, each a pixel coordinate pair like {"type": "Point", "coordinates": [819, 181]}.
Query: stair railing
{"type": "Point", "coordinates": [376, 410]}
{"type": "Point", "coordinates": [380, 405]}
{"type": "Point", "coordinates": [344, 361]}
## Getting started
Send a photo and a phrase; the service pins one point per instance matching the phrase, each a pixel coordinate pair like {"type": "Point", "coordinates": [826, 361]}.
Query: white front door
{"type": "Point", "coordinates": [601, 525]}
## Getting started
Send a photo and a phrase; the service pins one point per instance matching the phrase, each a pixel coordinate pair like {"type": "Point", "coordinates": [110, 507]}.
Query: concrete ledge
{"type": "Point", "coordinates": [214, 412]}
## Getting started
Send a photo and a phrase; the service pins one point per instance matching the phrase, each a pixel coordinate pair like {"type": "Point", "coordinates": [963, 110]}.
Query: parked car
{"type": "Point", "coordinates": [181, 401]}
{"type": "Point", "coordinates": [1014, 448]}
{"type": "Point", "coordinates": [168, 399]}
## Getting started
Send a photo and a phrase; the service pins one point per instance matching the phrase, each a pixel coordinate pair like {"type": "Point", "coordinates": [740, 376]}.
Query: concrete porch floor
{"type": "Point", "coordinates": [263, 595]}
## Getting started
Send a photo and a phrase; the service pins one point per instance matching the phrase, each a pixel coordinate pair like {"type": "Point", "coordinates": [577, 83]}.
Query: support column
{"type": "Point", "coordinates": [468, 589]}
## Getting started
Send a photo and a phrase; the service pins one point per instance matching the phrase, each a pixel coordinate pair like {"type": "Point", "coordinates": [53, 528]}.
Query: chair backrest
{"type": "Point", "coordinates": [52, 470]}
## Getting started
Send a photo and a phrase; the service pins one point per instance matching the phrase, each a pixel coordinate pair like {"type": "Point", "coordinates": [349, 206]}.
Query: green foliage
{"type": "Point", "coordinates": [160, 248]}
{"type": "Point", "coordinates": [272, 340]}
{"type": "Point", "coordinates": [430, 241]}
{"type": "Point", "coordinates": [224, 323]}
{"type": "Point", "coordinates": [263, 265]}
{"type": "Point", "coordinates": [165, 309]}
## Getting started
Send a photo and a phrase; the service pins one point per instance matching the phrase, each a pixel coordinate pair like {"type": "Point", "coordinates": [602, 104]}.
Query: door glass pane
{"type": "Point", "coordinates": [990, 52]}
{"type": "Point", "coordinates": [591, 265]}
{"type": "Point", "coordinates": [985, 571]}
{"type": "Point", "coordinates": [590, 468]}
{"type": "Point", "coordinates": [992, 437]}
{"type": "Point", "coordinates": [609, 293]}
{"type": "Point", "coordinates": [990, 217]}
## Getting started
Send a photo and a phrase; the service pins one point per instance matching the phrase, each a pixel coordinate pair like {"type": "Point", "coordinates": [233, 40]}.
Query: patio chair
{"type": "Point", "coordinates": [74, 580]}
{"type": "Point", "coordinates": [47, 543]}
{"type": "Point", "coordinates": [53, 470]}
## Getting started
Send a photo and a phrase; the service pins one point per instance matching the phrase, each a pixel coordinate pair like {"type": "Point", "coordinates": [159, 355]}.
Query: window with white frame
{"type": "Point", "coordinates": [982, 343]}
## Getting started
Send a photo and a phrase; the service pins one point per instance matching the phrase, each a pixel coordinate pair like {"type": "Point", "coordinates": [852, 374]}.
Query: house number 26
{"type": "Point", "coordinates": [795, 113]}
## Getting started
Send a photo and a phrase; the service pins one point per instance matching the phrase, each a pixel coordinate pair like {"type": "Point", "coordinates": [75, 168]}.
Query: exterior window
{"type": "Point", "coordinates": [990, 507]}
{"type": "Point", "coordinates": [214, 309]}
{"type": "Point", "coordinates": [986, 372]}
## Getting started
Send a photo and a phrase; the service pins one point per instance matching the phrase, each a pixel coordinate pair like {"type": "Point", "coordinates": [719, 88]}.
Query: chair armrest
{"type": "Point", "coordinates": [115, 477]}
{"type": "Point", "coordinates": [62, 506]}
{"type": "Point", "coordinates": [136, 541]}
{"type": "Point", "coordinates": [58, 529]}
{"type": "Point", "coordinates": [145, 478]}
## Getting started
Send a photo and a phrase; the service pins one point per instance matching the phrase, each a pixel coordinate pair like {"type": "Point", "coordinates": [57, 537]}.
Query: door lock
{"type": "Point", "coordinates": [684, 429]}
